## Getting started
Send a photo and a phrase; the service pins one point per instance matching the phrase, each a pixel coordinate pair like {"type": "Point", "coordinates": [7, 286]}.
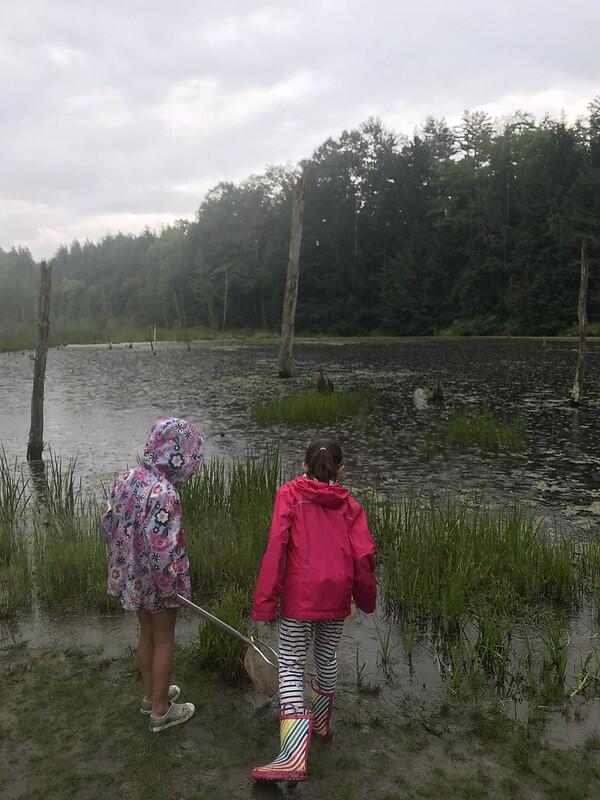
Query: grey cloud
{"type": "Point", "coordinates": [114, 113]}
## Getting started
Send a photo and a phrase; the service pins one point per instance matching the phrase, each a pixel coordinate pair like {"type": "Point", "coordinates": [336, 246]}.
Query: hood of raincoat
{"type": "Point", "coordinates": [174, 450]}
{"type": "Point", "coordinates": [324, 494]}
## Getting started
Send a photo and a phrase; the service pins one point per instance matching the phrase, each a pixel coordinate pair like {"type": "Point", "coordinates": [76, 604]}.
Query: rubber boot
{"type": "Point", "coordinates": [291, 764]}
{"type": "Point", "coordinates": [322, 703]}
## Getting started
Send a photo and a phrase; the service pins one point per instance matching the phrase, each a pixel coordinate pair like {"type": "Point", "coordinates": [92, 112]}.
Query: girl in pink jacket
{"type": "Point", "coordinates": [319, 556]}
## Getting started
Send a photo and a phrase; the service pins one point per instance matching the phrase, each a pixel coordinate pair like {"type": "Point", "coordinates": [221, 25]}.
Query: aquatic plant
{"type": "Point", "coordinates": [69, 556]}
{"type": "Point", "coordinates": [309, 408]}
{"type": "Point", "coordinates": [384, 652]}
{"type": "Point", "coordinates": [360, 668]}
{"type": "Point", "coordinates": [13, 489]}
{"type": "Point", "coordinates": [465, 428]}
{"type": "Point", "coordinates": [15, 583]}
{"type": "Point", "coordinates": [15, 573]}
{"type": "Point", "coordinates": [227, 514]}
{"type": "Point", "coordinates": [216, 650]}
{"type": "Point", "coordinates": [470, 575]}
{"type": "Point", "coordinates": [444, 558]}
{"type": "Point", "coordinates": [58, 490]}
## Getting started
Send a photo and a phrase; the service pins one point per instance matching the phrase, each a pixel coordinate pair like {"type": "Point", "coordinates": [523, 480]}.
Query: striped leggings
{"type": "Point", "coordinates": [294, 640]}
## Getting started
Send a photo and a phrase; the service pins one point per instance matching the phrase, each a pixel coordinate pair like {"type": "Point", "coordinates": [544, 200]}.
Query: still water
{"type": "Point", "coordinates": [100, 404]}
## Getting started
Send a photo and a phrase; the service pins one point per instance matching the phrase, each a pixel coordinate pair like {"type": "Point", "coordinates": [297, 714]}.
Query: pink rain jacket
{"type": "Point", "coordinates": [319, 556]}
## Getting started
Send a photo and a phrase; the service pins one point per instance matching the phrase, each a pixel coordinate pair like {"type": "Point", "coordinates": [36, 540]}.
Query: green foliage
{"type": "Point", "coordinates": [444, 559]}
{"type": "Point", "coordinates": [216, 650]}
{"type": "Point", "coordinates": [15, 578]}
{"type": "Point", "coordinates": [69, 556]}
{"type": "Point", "coordinates": [482, 428]}
{"type": "Point", "coordinates": [473, 230]}
{"type": "Point", "coordinates": [15, 570]}
{"type": "Point", "coordinates": [309, 408]}
{"type": "Point", "coordinates": [227, 515]}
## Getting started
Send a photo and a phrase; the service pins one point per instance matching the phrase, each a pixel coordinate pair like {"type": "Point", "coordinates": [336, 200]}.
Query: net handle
{"type": "Point", "coordinates": [254, 642]}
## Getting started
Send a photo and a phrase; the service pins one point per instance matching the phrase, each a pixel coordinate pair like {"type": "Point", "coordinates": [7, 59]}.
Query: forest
{"type": "Point", "coordinates": [468, 230]}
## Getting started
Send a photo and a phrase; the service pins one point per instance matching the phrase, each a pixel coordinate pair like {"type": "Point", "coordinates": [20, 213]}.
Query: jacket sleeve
{"type": "Point", "coordinates": [165, 542]}
{"type": "Point", "coordinates": [270, 576]}
{"type": "Point", "coordinates": [364, 588]}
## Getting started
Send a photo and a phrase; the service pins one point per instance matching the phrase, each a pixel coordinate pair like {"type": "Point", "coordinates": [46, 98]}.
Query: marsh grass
{"type": "Point", "coordinates": [15, 593]}
{"type": "Point", "coordinates": [15, 572]}
{"type": "Point", "coordinates": [474, 578]}
{"type": "Point", "coordinates": [493, 587]}
{"type": "Point", "coordinates": [443, 558]}
{"type": "Point", "coordinates": [69, 557]}
{"type": "Point", "coordinates": [227, 516]}
{"type": "Point", "coordinates": [24, 337]}
{"type": "Point", "coordinates": [13, 489]}
{"type": "Point", "coordinates": [216, 650]}
{"type": "Point", "coordinates": [465, 428]}
{"type": "Point", "coordinates": [310, 408]}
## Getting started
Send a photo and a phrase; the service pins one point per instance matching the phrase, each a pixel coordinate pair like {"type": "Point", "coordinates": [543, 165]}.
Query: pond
{"type": "Point", "coordinates": [100, 404]}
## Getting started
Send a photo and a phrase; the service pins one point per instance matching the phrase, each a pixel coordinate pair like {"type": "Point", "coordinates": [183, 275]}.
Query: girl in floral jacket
{"type": "Point", "coordinates": [147, 559]}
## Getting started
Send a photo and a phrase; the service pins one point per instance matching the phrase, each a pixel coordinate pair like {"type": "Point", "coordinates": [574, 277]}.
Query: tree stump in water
{"type": "Point", "coordinates": [324, 384]}
{"type": "Point", "coordinates": [583, 324]}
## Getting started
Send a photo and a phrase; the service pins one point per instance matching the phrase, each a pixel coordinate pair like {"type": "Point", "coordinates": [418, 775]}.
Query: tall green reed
{"type": "Point", "coordinates": [70, 556]}
{"type": "Point", "coordinates": [15, 583]}
{"type": "Point", "coordinates": [444, 558]}
{"type": "Point", "coordinates": [215, 649]}
{"type": "Point", "coordinates": [310, 408]}
{"type": "Point", "coordinates": [227, 515]}
{"type": "Point", "coordinates": [465, 428]}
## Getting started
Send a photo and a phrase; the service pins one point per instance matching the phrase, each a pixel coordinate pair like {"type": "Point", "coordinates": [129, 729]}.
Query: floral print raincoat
{"type": "Point", "coordinates": [141, 522]}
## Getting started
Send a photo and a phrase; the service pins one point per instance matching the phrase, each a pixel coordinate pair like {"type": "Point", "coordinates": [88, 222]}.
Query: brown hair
{"type": "Point", "coordinates": [323, 459]}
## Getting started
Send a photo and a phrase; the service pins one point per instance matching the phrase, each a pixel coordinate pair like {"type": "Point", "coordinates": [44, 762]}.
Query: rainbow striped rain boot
{"type": "Point", "coordinates": [291, 764]}
{"type": "Point", "coordinates": [322, 703]}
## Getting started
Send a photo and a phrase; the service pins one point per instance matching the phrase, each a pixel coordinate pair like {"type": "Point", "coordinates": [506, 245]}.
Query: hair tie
{"type": "Point", "coordinates": [323, 448]}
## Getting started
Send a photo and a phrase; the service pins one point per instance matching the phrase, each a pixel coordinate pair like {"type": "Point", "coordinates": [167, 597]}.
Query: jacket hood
{"type": "Point", "coordinates": [174, 449]}
{"type": "Point", "coordinates": [316, 491]}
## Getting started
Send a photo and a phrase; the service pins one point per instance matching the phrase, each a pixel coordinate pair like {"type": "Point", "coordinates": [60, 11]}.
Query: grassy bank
{"type": "Point", "coordinates": [50, 539]}
{"type": "Point", "coordinates": [472, 578]}
{"type": "Point", "coordinates": [25, 338]}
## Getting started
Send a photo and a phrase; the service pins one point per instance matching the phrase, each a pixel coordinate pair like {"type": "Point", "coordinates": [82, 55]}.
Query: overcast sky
{"type": "Point", "coordinates": [118, 115]}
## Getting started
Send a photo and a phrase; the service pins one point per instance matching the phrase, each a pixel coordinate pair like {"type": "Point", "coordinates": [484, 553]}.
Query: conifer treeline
{"type": "Point", "coordinates": [475, 229]}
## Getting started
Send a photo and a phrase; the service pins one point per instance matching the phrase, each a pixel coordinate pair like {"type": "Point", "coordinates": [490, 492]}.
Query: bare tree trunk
{"type": "Point", "coordinates": [225, 298]}
{"type": "Point", "coordinates": [288, 318]}
{"type": "Point", "coordinates": [150, 337]}
{"type": "Point", "coordinates": [583, 323]}
{"type": "Point", "coordinates": [185, 324]}
{"type": "Point", "coordinates": [35, 445]}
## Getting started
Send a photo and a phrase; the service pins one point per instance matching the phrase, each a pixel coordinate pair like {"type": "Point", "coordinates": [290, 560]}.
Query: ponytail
{"type": "Point", "coordinates": [323, 459]}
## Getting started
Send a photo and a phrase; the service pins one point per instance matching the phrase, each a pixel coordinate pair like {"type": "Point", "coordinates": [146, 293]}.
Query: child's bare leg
{"type": "Point", "coordinates": [145, 651]}
{"type": "Point", "coordinates": [163, 631]}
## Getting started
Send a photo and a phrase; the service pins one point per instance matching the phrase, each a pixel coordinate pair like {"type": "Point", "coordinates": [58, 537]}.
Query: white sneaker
{"type": "Point", "coordinates": [177, 714]}
{"type": "Point", "coordinates": [173, 696]}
